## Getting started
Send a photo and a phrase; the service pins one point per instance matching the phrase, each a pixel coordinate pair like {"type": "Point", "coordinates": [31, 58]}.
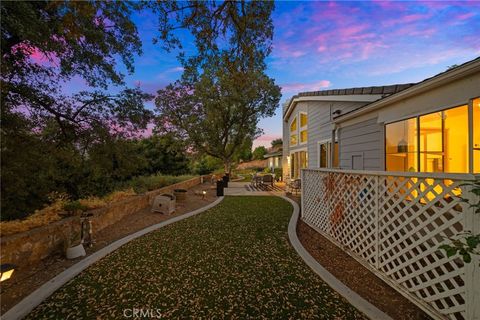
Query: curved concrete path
{"type": "Point", "coordinates": [351, 296]}
{"type": "Point", "coordinates": [24, 307]}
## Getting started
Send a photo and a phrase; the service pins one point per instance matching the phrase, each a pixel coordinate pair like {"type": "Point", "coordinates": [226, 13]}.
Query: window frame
{"type": "Point", "coordinates": [293, 132]}
{"type": "Point", "coordinates": [417, 117]}
{"type": "Point", "coordinates": [302, 128]}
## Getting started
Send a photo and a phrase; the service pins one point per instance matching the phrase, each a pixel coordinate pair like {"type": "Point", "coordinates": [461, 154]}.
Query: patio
{"type": "Point", "coordinates": [233, 260]}
{"type": "Point", "coordinates": [247, 188]}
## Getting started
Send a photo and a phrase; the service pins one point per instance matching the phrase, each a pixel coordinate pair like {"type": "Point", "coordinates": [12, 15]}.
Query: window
{"type": "Point", "coordinates": [476, 135]}
{"type": "Point", "coordinates": [324, 152]}
{"type": "Point", "coordinates": [303, 127]}
{"type": "Point", "coordinates": [293, 132]}
{"type": "Point", "coordinates": [435, 142]}
{"type": "Point", "coordinates": [323, 155]}
{"type": "Point", "coordinates": [303, 119]}
{"type": "Point", "coordinates": [401, 145]}
{"type": "Point", "coordinates": [293, 125]}
{"type": "Point", "coordinates": [303, 136]}
{"type": "Point", "coordinates": [293, 139]}
{"type": "Point", "coordinates": [299, 161]}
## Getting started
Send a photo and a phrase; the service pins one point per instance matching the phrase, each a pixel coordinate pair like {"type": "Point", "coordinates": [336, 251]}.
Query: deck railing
{"type": "Point", "coordinates": [393, 223]}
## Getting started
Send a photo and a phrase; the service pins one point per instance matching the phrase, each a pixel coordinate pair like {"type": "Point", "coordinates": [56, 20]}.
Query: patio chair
{"type": "Point", "coordinates": [267, 180]}
{"type": "Point", "coordinates": [295, 185]}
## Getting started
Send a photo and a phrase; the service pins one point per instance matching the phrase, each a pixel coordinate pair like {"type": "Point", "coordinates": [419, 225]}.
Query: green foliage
{"type": "Point", "coordinates": [143, 184]}
{"type": "Point", "coordinates": [465, 244]}
{"type": "Point", "coordinates": [278, 173]}
{"type": "Point", "coordinates": [164, 154]}
{"type": "Point", "coordinates": [74, 206]}
{"type": "Point", "coordinates": [206, 164]}
{"type": "Point", "coordinates": [224, 90]}
{"type": "Point", "coordinates": [277, 143]}
{"type": "Point", "coordinates": [259, 152]}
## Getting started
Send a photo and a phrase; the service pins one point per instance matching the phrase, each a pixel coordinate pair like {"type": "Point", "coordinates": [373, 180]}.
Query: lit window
{"type": "Point", "coordinates": [303, 119]}
{"type": "Point", "coordinates": [293, 125]}
{"type": "Point", "coordinates": [293, 139]}
{"type": "Point", "coordinates": [303, 127]}
{"type": "Point", "coordinates": [401, 145]}
{"type": "Point", "coordinates": [303, 136]}
{"type": "Point", "coordinates": [476, 135]}
{"type": "Point", "coordinates": [444, 141]}
{"type": "Point", "coordinates": [323, 155]}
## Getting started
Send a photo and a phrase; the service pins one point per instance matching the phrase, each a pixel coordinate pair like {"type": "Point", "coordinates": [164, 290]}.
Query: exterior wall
{"type": "Point", "coordinates": [362, 140]}
{"type": "Point", "coordinates": [364, 135]}
{"type": "Point", "coordinates": [320, 125]}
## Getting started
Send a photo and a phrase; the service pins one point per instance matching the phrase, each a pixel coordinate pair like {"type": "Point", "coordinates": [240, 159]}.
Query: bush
{"type": "Point", "coordinates": [143, 184]}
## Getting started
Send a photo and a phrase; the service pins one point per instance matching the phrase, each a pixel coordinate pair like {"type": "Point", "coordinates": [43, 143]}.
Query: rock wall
{"type": "Point", "coordinates": [31, 246]}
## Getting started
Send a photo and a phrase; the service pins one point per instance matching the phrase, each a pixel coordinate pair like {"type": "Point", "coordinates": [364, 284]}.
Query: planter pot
{"type": "Point", "coordinates": [180, 194]}
{"type": "Point", "coordinates": [75, 252]}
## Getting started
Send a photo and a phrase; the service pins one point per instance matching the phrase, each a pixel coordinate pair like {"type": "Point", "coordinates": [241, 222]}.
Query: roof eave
{"type": "Point", "coordinates": [423, 86]}
{"type": "Point", "coordinates": [350, 97]}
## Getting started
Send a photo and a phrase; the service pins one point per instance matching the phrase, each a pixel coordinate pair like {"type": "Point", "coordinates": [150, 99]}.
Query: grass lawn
{"type": "Point", "coordinates": [233, 261]}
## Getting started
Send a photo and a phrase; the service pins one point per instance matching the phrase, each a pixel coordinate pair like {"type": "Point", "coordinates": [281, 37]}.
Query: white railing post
{"type": "Point", "coordinates": [303, 186]}
{"type": "Point", "coordinates": [472, 269]}
{"type": "Point", "coordinates": [377, 223]}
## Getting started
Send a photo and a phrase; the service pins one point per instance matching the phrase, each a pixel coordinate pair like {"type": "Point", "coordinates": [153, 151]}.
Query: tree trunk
{"type": "Point", "coordinates": [227, 164]}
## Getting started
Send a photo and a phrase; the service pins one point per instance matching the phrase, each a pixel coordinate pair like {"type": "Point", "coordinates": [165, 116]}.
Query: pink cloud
{"type": "Point", "coordinates": [298, 87]}
{"type": "Point", "coordinates": [265, 140]}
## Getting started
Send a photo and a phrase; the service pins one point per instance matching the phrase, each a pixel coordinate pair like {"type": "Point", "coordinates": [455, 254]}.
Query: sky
{"type": "Point", "coordinates": [329, 45]}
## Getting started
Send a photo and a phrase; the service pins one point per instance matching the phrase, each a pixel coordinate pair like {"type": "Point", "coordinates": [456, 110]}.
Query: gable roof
{"type": "Point", "coordinates": [469, 67]}
{"type": "Point", "coordinates": [377, 91]}
{"type": "Point", "coordinates": [383, 90]}
{"type": "Point", "coordinates": [385, 93]}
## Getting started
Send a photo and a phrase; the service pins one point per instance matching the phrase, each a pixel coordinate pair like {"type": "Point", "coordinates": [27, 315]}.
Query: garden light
{"type": "Point", "coordinates": [6, 271]}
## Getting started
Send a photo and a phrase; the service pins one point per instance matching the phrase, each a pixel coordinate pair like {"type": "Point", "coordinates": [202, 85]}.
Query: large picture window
{"type": "Point", "coordinates": [401, 149]}
{"type": "Point", "coordinates": [435, 142]}
{"type": "Point", "coordinates": [476, 135]}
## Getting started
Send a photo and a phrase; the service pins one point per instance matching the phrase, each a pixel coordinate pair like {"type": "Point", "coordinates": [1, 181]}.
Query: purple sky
{"type": "Point", "coordinates": [323, 44]}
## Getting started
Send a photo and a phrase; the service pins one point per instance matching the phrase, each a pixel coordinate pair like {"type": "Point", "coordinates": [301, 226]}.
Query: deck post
{"type": "Point", "coordinates": [472, 269]}
{"type": "Point", "coordinates": [377, 223]}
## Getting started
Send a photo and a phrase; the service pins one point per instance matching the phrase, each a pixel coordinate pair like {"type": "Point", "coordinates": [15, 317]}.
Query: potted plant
{"type": "Point", "coordinates": [180, 194]}
{"type": "Point", "coordinates": [74, 246]}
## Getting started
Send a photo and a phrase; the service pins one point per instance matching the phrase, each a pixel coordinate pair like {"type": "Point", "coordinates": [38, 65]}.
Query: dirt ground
{"type": "Point", "coordinates": [357, 277]}
{"type": "Point", "coordinates": [26, 279]}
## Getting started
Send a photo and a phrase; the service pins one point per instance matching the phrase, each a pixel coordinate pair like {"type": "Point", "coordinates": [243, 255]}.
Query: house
{"type": "Point", "coordinates": [274, 158]}
{"type": "Point", "coordinates": [430, 126]}
{"type": "Point", "coordinates": [387, 176]}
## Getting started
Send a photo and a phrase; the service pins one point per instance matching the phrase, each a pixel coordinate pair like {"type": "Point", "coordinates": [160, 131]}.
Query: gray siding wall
{"type": "Point", "coordinates": [320, 126]}
{"type": "Point", "coordinates": [362, 139]}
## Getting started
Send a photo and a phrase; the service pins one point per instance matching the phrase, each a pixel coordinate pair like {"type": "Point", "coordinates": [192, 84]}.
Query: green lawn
{"type": "Point", "coordinates": [234, 260]}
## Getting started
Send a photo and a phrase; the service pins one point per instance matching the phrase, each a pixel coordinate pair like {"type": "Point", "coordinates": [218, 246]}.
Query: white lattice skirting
{"type": "Point", "coordinates": [394, 223]}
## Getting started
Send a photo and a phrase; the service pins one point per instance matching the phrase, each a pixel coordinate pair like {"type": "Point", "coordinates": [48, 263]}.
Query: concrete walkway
{"type": "Point", "coordinates": [246, 189]}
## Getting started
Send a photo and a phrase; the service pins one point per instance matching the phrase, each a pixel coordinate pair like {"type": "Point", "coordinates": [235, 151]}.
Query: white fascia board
{"type": "Point", "coordinates": [427, 85]}
{"type": "Point", "coordinates": [333, 98]}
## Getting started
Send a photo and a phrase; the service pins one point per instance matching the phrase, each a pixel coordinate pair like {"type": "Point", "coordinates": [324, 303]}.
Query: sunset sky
{"type": "Point", "coordinates": [320, 45]}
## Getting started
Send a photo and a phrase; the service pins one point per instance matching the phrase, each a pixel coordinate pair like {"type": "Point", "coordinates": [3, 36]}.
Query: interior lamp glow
{"type": "Point", "coordinates": [6, 271]}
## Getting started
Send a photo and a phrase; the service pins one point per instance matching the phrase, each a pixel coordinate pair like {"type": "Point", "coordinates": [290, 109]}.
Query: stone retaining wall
{"type": "Point", "coordinates": [31, 246]}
